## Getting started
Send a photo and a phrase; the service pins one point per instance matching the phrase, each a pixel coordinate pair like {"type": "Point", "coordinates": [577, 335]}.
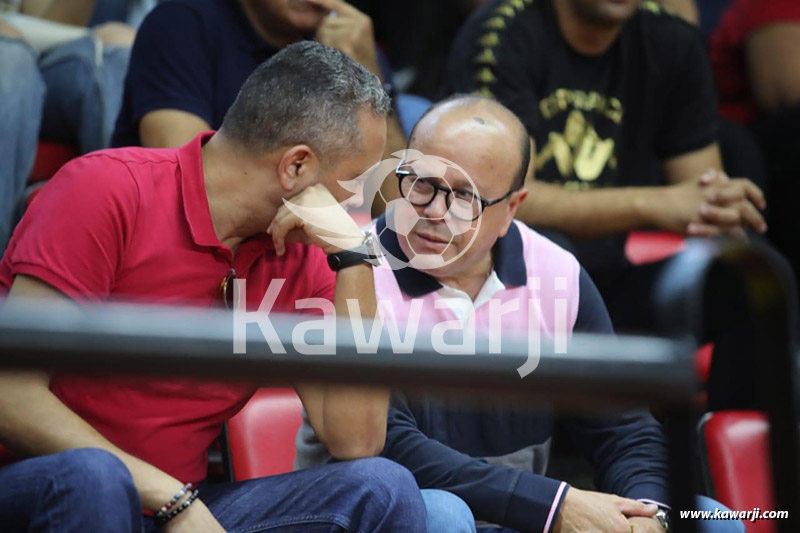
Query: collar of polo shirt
{"type": "Point", "coordinates": [507, 258]}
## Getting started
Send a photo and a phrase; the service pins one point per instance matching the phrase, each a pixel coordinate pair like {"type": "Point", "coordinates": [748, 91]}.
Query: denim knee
{"type": "Point", "coordinates": [86, 81]}
{"type": "Point", "coordinates": [79, 490]}
{"type": "Point", "coordinates": [97, 475]}
{"type": "Point", "coordinates": [704, 503]}
{"type": "Point", "coordinates": [380, 473]}
{"type": "Point", "coordinates": [22, 93]}
{"type": "Point", "coordinates": [447, 512]}
{"type": "Point", "coordinates": [73, 107]}
{"type": "Point", "coordinates": [390, 486]}
{"type": "Point", "coordinates": [18, 62]}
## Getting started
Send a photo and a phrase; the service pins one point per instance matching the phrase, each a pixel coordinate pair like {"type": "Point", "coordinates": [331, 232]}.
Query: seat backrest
{"type": "Point", "coordinates": [650, 246]}
{"type": "Point", "coordinates": [261, 436]}
{"type": "Point", "coordinates": [735, 454]}
{"type": "Point", "coordinates": [50, 156]}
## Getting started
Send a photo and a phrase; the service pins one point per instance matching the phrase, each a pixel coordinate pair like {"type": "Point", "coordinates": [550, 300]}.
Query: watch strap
{"type": "Point", "coordinates": [365, 253]}
{"type": "Point", "coordinates": [349, 258]}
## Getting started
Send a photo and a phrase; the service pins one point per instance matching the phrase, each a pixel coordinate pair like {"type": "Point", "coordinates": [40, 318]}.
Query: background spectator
{"type": "Point", "coordinates": [755, 52]}
{"type": "Point", "coordinates": [192, 56]}
{"type": "Point", "coordinates": [620, 102]}
{"type": "Point", "coordinates": [416, 36]}
{"type": "Point", "coordinates": [59, 80]}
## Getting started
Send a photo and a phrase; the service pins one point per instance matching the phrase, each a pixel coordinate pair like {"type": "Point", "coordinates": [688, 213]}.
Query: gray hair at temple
{"type": "Point", "coordinates": [307, 93]}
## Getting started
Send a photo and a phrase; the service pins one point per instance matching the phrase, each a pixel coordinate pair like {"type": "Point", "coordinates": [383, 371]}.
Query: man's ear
{"type": "Point", "coordinates": [298, 168]}
{"type": "Point", "coordinates": [516, 198]}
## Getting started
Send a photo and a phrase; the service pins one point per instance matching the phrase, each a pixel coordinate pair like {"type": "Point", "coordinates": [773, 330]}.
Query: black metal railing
{"type": "Point", "coordinates": [596, 373]}
{"type": "Point", "coordinates": [698, 283]}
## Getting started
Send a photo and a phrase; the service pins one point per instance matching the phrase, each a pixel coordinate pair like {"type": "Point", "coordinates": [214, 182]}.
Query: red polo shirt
{"type": "Point", "coordinates": [133, 224]}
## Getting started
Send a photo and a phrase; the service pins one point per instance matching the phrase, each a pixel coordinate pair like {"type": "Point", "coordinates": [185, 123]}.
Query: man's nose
{"type": "Point", "coordinates": [438, 207]}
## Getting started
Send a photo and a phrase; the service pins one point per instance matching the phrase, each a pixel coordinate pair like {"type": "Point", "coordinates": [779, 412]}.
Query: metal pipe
{"type": "Point", "coordinates": [596, 371]}
{"type": "Point", "coordinates": [767, 285]}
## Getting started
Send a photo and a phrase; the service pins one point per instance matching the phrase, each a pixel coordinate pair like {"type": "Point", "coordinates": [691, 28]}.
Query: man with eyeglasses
{"type": "Point", "coordinates": [495, 458]}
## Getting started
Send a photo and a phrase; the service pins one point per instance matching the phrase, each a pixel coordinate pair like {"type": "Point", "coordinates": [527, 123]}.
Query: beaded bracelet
{"type": "Point", "coordinates": [178, 495]}
{"type": "Point", "coordinates": [163, 519]}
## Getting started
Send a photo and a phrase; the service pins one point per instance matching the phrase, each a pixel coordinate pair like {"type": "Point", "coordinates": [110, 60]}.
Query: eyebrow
{"type": "Point", "coordinates": [458, 184]}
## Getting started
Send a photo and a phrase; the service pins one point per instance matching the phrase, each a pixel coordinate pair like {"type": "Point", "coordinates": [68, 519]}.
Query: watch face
{"type": "Point", "coordinates": [372, 249]}
{"type": "Point", "coordinates": [370, 245]}
{"type": "Point", "coordinates": [663, 518]}
{"type": "Point", "coordinates": [334, 262]}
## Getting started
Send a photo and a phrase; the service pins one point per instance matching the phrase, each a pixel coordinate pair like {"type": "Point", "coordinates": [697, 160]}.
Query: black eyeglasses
{"type": "Point", "coordinates": [463, 205]}
{"type": "Point", "coordinates": [226, 290]}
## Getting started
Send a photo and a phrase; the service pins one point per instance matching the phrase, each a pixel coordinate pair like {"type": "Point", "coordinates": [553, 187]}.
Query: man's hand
{"type": "Point", "coordinates": [645, 525]}
{"type": "Point", "coordinates": [739, 194]}
{"type": "Point", "coordinates": [710, 205]}
{"type": "Point", "coordinates": [314, 217]}
{"type": "Point", "coordinates": [115, 34]}
{"type": "Point", "coordinates": [681, 208]}
{"type": "Point", "coordinates": [584, 511]}
{"type": "Point", "coordinates": [349, 30]}
{"type": "Point", "coordinates": [7, 30]}
{"type": "Point", "coordinates": [196, 518]}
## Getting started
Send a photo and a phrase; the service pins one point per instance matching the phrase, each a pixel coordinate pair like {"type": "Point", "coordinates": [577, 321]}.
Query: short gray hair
{"type": "Point", "coordinates": [307, 93]}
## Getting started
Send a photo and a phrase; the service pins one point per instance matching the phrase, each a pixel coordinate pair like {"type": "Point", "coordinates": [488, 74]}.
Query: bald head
{"type": "Point", "coordinates": [467, 120]}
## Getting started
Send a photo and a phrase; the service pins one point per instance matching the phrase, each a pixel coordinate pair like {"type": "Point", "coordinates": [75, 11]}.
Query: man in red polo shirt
{"type": "Point", "coordinates": [170, 226]}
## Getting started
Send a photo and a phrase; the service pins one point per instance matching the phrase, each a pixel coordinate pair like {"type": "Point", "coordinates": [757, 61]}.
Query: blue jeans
{"type": "Point", "coordinates": [78, 490]}
{"type": "Point", "coordinates": [447, 513]}
{"type": "Point", "coordinates": [90, 490]}
{"type": "Point", "coordinates": [702, 503]}
{"type": "Point", "coordinates": [22, 93]}
{"type": "Point", "coordinates": [84, 82]}
{"type": "Point", "coordinates": [70, 94]}
{"type": "Point", "coordinates": [372, 494]}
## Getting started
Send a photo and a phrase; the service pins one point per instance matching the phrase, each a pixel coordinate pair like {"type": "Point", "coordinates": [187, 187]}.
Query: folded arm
{"type": "Point", "coordinates": [349, 420]}
{"type": "Point", "coordinates": [499, 494]}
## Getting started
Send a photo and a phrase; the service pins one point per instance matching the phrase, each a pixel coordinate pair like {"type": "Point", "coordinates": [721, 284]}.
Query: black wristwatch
{"type": "Point", "coordinates": [662, 515]}
{"type": "Point", "coordinates": [367, 252]}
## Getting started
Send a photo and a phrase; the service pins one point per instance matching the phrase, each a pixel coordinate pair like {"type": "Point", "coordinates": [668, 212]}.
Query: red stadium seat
{"type": "Point", "coordinates": [651, 246]}
{"type": "Point", "coordinates": [736, 463]}
{"type": "Point", "coordinates": [702, 361]}
{"type": "Point", "coordinates": [50, 156]}
{"type": "Point", "coordinates": [261, 436]}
